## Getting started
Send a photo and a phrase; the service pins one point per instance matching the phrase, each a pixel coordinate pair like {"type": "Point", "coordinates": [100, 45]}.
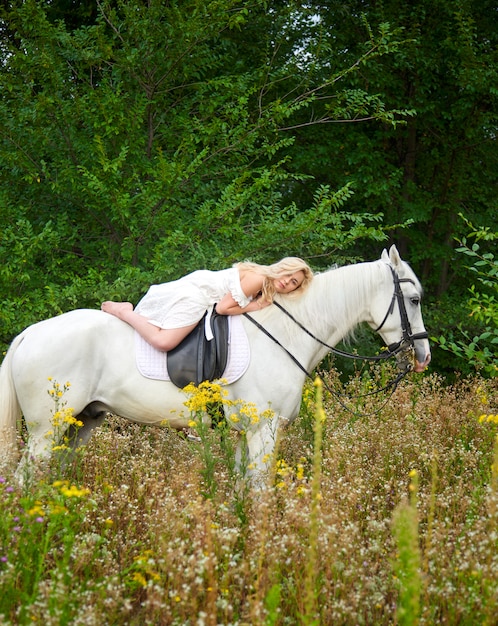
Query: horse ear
{"type": "Point", "coordinates": [385, 256]}
{"type": "Point", "coordinates": [394, 257]}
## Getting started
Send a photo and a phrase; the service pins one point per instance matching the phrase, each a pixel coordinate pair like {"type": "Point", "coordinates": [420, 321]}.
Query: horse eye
{"type": "Point", "coordinates": [415, 301]}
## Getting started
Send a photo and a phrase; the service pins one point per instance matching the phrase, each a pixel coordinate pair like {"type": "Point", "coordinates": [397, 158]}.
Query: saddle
{"type": "Point", "coordinates": [196, 358]}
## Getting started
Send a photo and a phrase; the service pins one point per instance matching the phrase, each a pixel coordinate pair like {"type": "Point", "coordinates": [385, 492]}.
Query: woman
{"type": "Point", "coordinates": [170, 311]}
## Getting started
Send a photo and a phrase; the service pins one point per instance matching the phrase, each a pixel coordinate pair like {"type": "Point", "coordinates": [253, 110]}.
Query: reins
{"type": "Point", "coordinates": [335, 351]}
{"type": "Point", "coordinates": [390, 385]}
{"type": "Point", "coordinates": [407, 342]}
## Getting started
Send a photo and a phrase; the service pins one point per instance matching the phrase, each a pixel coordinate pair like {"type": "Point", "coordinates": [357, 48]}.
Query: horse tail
{"type": "Point", "coordinates": [10, 409]}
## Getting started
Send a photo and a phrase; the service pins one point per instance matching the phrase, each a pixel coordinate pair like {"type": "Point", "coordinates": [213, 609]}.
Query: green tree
{"type": "Point", "coordinates": [436, 163]}
{"type": "Point", "coordinates": [427, 167]}
{"type": "Point", "coordinates": [145, 143]}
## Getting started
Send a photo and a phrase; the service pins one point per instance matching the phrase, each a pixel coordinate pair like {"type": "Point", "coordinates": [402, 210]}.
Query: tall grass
{"type": "Point", "coordinates": [148, 528]}
{"type": "Point", "coordinates": [407, 563]}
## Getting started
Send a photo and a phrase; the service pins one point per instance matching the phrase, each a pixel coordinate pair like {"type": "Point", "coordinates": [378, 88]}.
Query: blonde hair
{"type": "Point", "coordinates": [284, 267]}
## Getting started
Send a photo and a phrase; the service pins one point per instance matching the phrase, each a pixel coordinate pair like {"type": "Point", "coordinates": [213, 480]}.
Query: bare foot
{"type": "Point", "coordinates": [118, 309]}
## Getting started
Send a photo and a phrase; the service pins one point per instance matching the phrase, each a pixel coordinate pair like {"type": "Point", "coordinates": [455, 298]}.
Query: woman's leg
{"type": "Point", "coordinates": [163, 339]}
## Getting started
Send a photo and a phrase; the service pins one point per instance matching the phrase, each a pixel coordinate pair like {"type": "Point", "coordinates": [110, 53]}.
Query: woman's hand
{"type": "Point", "coordinates": [228, 306]}
{"type": "Point", "coordinates": [261, 303]}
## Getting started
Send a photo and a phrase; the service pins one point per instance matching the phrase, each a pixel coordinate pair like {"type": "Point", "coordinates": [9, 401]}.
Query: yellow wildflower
{"type": "Point", "coordinates": [300, 471]}
{"type": "Point", "coordinates": [74, 492]}
{"type": "Point", "coordinates": [490, 418]}
{"type": "Point", "coordinates": [139, 578]}
{"type": "Point", "coordinates": [36, 510]}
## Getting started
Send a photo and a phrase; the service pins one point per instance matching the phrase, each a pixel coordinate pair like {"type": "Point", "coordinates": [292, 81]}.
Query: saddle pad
{"type": "Point", "coordinates": [152, 363]}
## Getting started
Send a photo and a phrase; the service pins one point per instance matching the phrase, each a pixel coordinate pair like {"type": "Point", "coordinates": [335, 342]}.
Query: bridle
{"type": "Point", "coordinates": [403, 350]}
{"type": "Point", "coordinates": [407, 337]}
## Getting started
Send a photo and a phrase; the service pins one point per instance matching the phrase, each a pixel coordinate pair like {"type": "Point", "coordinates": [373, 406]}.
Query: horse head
{"type": "Point", "coordinates": [396, 314]}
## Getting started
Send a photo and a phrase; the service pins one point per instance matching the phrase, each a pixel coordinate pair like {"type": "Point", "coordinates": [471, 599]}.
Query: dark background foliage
{"type": "Point", "coordinates": [142, 140]}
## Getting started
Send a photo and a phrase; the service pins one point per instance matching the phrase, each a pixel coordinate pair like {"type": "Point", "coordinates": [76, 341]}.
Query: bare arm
{"type": "Point", "coordinates": [251, 284]}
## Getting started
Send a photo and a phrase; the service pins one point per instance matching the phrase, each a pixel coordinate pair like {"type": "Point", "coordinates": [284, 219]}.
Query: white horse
{"type": "Point", "coordinates": [95, 352]}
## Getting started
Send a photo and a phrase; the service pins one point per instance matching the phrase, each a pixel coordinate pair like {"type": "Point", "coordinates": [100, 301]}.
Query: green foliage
{"type": "Point", "coordinates": [41, 529]}
{"type": "Point", "coordinates": [441, 157]}
{"type": "Point", "coordinates": [479, 349]}
{"type": "Point", "coordinates": [133, 150]}
{"type": "Point", "coordinates": [272, 602]}
{"type": "Point", "coordinates": [140, 141]}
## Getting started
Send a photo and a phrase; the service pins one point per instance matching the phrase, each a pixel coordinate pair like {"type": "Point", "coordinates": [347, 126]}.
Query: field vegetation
{"type": "Point", "coordinates": [382, 514]}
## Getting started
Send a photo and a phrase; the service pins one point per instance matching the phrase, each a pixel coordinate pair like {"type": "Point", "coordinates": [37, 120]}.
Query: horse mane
{"type": "Point", "coordinates": [332, 300]}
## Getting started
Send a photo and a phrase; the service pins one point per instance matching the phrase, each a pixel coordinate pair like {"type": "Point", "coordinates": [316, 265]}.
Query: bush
{"type": "Point", "coordinates": [479, 347]}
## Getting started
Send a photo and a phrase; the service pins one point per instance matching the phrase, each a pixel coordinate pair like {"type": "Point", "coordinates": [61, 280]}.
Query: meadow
{"type": "Point", "coordinates": [384, 515]}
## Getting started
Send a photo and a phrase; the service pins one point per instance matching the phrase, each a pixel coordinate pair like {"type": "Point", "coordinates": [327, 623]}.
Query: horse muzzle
{"type": "Point", "coordinates": [420, 367]}
{"type": "Point", "coordinates": [406, 360]}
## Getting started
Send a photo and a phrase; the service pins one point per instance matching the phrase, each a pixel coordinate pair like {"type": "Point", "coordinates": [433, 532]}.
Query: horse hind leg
{"type": "Point", "coordinates": [76, 436]}
{"type": "Point", "coordinates": [42, 444]}
{"type": "Point", "coordinates": [36, 454]}
{"type": "Point", "coordinates": [92, 417]}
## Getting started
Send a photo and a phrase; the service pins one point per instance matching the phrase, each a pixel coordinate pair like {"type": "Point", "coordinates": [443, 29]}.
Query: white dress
{"type": "Point", "coordinates": [184, 301]}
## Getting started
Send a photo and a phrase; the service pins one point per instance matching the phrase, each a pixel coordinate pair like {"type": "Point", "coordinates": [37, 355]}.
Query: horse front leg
{"type": "Point", "coordinates": [256, 449]}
